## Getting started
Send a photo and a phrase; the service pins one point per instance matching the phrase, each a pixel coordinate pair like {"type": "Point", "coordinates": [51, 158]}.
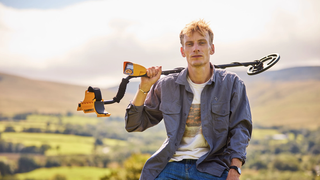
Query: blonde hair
{"type": "Point", "coordinates": [199, 26]}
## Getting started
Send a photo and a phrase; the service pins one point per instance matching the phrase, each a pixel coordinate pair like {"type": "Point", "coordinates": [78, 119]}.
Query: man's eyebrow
{"type": "Point", "coordinates": [202, 40]}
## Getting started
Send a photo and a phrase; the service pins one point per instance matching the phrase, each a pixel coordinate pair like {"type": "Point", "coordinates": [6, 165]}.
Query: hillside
{"type": "Point", "coordinates": [288, 97]}
{"type": "Point", "coordinates": [291, 104]}
{"type": "Point", "coordinates": [285, 75]}
{"type": "Point", "coordinates": [20, 95]}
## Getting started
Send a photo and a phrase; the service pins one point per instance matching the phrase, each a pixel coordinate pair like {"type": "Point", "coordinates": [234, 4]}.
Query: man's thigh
{"type": "Point", "coordinates": [173, 170]}
{"type": "Point", "coordinates": [186, 170]}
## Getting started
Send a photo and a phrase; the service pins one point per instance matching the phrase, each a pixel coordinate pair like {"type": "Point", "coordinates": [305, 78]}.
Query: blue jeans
{"type": "Point", "coordinates": [186, 170]}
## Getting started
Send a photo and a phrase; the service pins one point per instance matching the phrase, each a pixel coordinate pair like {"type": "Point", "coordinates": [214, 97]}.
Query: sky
{"type": "Point", "coordinates": [85, 42]}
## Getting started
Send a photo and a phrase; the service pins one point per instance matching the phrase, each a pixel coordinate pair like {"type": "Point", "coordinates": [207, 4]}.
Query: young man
{"type": "Point", "coordinates": [205, 110]}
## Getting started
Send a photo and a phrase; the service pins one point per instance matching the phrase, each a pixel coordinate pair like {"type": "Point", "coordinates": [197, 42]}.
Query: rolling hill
{"type": "Point", "coordinates": [288, 97]}
{"type": "Point", "coordinates": [20, 95]}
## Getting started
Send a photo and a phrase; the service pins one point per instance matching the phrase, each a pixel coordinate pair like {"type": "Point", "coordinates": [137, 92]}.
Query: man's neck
{"type": "Point", "coordinates": [200, 74]}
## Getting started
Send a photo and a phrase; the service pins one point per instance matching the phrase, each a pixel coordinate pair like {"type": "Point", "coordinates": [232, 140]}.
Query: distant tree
{"type": "Point", "coordinates": [32, 130]}
{"type": "Point", "coordinates": [277, 150]}
{"type": "Point", "coordinates": [52, 163]}
{"type": "Point", "coordinates": [115, 174]}
{"type": "Point", "coordinates": [21, 116]}
{"type": "Point", "coordinates": [294, 148]}
{"type": "Point", "coordinates": [9, 129]}
{"type": "Point", "coordinates": [98, 141]}
{"type": "Point", "coordinates": [5, 169]}
{"type": "Point", "coordinates": [310, 145]}
{"type": "Point", "coordinates": [315, 150]}
{"type": "Point", "coordinates": [26, 164]}
{"type": "Point", "coordinates": [78, 130]}
{"type": "Point", "coordinates": [2, 117]}
{"type": "Point", "coordinates": [286, 163]}
{"type": "Point", "coordinates": [132, 168]}
{"type": "Point", "coordinates": [58, 148]}
{"type": "Point", "coordinates": [69, 114]}
{"type": "Point", "coordinates": [31, 149]}
{"type": "Point", "coordinates": [7, 146]}
{"type": "Point", "coordinates": [258, 165]}
{"type": "Point", "coordinates": [48, 125]}
{"type": "Point", "coordinates": [59, 177]}
{"type": "Point", "coordinates": [134, 165]}
{"type": "Point", "coordinates": [44, 148]}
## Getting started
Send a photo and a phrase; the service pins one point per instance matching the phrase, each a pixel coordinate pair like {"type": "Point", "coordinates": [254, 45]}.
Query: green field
{"type": "Point", "coordinates": [47, 122]}
{"type": "Point", "coordinates": [82, 120]}
{"type": "Point", "coordinates": [70, 173]}
{"type": "Point", "coordinates": [61, 144]}
{"type": "Point", "coordinates": [260, 134]}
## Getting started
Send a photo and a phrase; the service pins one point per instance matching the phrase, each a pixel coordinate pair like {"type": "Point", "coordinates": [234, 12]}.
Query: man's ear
{"type": "Point", "coordinates": [182, 52]}
{"type": "Point", "coordinates": [212, 50]}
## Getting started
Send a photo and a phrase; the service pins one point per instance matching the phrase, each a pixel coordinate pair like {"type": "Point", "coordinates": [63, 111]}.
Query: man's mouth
{"type": "Point", "coordinates": [196, 56]}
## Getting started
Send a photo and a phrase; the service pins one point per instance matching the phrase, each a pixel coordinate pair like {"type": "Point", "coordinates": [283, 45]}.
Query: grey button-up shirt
{"type": "Point", "coordinates": [225, 120]}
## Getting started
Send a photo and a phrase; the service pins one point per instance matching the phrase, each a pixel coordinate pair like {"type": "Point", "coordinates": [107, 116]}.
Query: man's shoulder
{"type": "Point", "coordinates": [169, 78]}
{"type": "Point", "coordinates": [225, 75]}
{"type": "Point", "coordinates": [167, 82]}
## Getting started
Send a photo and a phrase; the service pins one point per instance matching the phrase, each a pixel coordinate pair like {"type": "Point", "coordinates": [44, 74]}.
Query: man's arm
{"type": "Point", "coordinates": [140, 116]}
{"type": "Point", "coordinates": [240, 128]}
{"type": "Point", "coordinates": [240, 122]}
{"type": "Point", "coordinates": [153, 74]}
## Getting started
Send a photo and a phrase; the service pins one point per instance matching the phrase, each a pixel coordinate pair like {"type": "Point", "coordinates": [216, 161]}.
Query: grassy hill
{"type": "Point", "coordinates": [19, 95]}
{"type": "Point", "coordinates": [288, 97]}
{"type": "Point", "coordinates": [292, 104]}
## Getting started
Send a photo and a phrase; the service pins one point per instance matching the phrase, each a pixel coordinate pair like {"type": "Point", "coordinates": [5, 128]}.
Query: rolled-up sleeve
{"type": "Point", "coordinates": [240, 122]}
{"type": "Point", "coordinates": [140, 118]}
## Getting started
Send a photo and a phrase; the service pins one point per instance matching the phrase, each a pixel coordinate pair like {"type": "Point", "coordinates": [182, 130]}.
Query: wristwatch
{"type": "Point", "coordinates": [236, 168]}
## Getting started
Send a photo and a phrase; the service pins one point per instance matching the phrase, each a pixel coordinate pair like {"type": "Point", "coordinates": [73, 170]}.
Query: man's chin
{"type": "Point", "coordinates": [197, 64]}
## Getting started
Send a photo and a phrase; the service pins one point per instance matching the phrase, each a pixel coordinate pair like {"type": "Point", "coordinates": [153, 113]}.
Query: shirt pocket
{"type": "Point", "coordinates": [171, 115]}
{"type": "Point", "coordinates": [220, 114]}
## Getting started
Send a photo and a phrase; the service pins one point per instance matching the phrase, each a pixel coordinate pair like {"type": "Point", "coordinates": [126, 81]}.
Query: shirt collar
{"type": "Point", "coordinates": [182, 77]}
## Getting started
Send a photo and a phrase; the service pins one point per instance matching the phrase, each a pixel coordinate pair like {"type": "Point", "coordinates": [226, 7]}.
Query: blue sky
{"type": "Point", "coordinates": [85, 42]}
{"type": "Point", "coordinates": [39, 4]}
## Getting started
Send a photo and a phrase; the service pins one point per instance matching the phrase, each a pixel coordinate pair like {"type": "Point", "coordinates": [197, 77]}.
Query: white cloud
{"type": "Point", "coordinates": [90, 40]}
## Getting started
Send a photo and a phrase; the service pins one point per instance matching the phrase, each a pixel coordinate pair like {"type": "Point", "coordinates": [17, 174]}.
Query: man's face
{"type": "Point", "coordinates": [197, 50]}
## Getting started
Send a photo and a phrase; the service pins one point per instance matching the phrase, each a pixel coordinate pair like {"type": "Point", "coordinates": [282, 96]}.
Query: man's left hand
{"type": "Point", "coordinates": [233, 175]}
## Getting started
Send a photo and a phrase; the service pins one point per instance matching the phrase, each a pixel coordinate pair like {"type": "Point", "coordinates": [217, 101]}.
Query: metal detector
{"type": "Point", "coordinates": [93, 101]}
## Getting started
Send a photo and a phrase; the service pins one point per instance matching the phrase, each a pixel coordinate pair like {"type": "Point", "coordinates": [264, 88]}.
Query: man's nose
{"type": "Point", "coordinates": [195, 48]}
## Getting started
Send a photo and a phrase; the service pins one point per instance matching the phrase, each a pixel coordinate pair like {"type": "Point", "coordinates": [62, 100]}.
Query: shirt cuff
{"type": "Point", "coordinates": [131, 107]}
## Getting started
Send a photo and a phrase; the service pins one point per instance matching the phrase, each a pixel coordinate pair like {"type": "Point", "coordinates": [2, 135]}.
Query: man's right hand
{"type": "Point", "coordinates": [153, 75]}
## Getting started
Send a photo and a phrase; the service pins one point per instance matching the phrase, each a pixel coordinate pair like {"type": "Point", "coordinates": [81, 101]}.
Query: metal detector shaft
{"type": "Point", "coordinates": [221, 66]}
{"type": "Point", "coordinates": [235, 64]}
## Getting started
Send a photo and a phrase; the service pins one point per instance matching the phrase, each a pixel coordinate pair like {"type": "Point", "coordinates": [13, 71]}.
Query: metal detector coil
{"type": "Point", "coordinates": [263, 64]}
{"type": "Point", "coordinates": [93, 102]}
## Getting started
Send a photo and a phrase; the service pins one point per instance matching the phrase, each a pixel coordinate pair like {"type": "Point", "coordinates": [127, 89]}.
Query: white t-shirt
{"type": "Point", "coordinates": [193, 144]}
